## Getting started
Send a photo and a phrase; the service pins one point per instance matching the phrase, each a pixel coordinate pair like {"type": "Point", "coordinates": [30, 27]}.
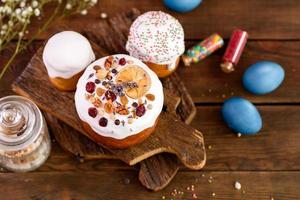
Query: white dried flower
{"type": "Point", "coordinates": [84, 12]}
{"type": "Point", "coordinates": [18, 11]}
{"type": "Point", "coordinates": [10, 23]}
{"type": "Point", "coordinates": [69, 6]}
{"type": "Point", "coordinates": [29, 9]}
{"type": "Point", "coordinates": [24, 13]}
{"type": "Point", "coordinates": [3, 1]}
{"type": "Point", "coordinates": [4, 27]}
{"type": "Point", "coordinates": [37, 12]}
{"type": "Point", "coordinates": [35, 4]}
{"type": "Point", "coordinates": [94, 1]}
{"type": "Point", "coordinates": [2, 32]}
{"type": "Point", "coordinates": [21, 34]}
{"type": "Point", "coordinates": [7, 9]}
{"type": "Point", "coordinates": [22, 4]}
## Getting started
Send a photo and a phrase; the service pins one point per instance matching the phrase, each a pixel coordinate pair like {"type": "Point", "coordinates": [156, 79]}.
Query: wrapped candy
{"type": "Point", "coordinates": [202, 49]}
{"type": "Point", "coordinates": [234, 50]}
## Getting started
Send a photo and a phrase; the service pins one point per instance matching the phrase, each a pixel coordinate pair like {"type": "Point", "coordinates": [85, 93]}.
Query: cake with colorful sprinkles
{"type": "Point", "coordinates": [157, 39]}
{"type": "Point", "coordinates": [119, 99]}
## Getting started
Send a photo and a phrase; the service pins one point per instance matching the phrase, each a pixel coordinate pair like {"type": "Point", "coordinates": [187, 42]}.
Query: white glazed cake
{"type": "Point", "coordinates": [119, 96]}
{"type": "Point", "coordinates": [66, 54]}
{"type": "Point", "coordinates": [156, 37]}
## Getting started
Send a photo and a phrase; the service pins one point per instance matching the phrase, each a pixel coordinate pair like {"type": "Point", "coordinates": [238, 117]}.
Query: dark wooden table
{"type": "Point", "coordinates": [267, 165]}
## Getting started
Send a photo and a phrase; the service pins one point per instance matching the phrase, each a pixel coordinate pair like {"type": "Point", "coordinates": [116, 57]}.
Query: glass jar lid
{"type": "Point", "coordinates": [20, 122]}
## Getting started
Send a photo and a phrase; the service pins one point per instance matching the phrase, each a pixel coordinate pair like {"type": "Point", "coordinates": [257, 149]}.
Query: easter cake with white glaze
{"type": "Point", "coordinates": [66, 55]}
{"type": "Point", "coordinates": [119, 100]}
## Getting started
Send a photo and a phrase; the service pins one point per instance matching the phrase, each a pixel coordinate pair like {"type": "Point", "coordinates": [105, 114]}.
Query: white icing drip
{"type": "Point", "coordinates": [66, 54]}
{"type": "Point", "coordinates": [172, 65]}
{"type": "Point", "coordinates": [156, 37]}
{"type": "Point", "coordinates": [112, 130]}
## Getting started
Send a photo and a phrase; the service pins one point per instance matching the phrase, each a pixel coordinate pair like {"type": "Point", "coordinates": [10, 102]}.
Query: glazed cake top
{"type": "Point", "coordinates": [66, 54]}
{"type": "Point", "coordinates": [156, 37]}
{"type": "Point", "coordinates": [119, 96]}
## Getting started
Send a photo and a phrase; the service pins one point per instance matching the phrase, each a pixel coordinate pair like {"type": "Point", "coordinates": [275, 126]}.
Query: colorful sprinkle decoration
{"type": "Point", "coordinates": [202, 49]}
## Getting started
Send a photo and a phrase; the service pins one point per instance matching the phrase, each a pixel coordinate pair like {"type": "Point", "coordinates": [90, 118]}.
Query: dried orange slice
{"type": "Point", "coordinates": [136, 75]}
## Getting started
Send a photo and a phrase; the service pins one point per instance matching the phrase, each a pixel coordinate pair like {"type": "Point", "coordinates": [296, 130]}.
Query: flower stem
{"type": "Point", "coordinates": [20, 48]}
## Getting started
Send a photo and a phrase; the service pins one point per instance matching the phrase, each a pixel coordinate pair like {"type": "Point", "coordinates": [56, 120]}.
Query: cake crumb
{"type": "Point", "coordinates": [126, 181]}
{"type": "Point", "coordinates": [210, 179]}
{"type": "Point", "coordinates": [163, 197]}
{"type": "Point", "coordinates": [272, 198]}
{"type": "Point", "coordinates": [195, 196]}
{"type": "Point", "coordinates": [213, 194]}
{"type": "Point", "coordinates": [239, 134]}
{"type": "Point", "coordinates": [103, 15]}
{"type": "Point", "coordinates": [209, 147]}
{"type": "Point", "coordinates": [237, 185]}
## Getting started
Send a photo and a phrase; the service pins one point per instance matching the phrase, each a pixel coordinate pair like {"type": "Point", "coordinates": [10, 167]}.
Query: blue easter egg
{"type": "Point", "coordinates": [182, 5]}
{"type": "Point", "coordinates": [263, 77]}
{"type": "Point", "coordinates": [241, 116]}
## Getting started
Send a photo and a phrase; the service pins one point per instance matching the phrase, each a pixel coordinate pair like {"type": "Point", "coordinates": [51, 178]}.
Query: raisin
{"type": "Point", "coordinates": [117, 122]}
{"type": "Point", "coordinates": [114, 71]}
{"type": "Point", "coordinates": [140, 110]}
{"type": "Point", "coordinates": [135, 104]}
{"type": "Point", "coordinates": [93, 112]}
{"type": "Point", "coordinates": [109, 95]}
{"type": "Point", "coordinates": [90, 87]}
{"type": "Point", "coordinates": [122, 61]}
{"type": "Point", "coordinates": [97, 81]}
{"type": "Point", "coordinates": [103, 122]}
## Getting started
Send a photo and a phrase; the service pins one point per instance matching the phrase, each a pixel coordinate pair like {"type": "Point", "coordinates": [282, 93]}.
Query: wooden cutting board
{"type": "Point", "coordinates": [171, 134]}
{"type": "Point", "coordinates": [155, 172]}
{"type": "Point", "coordinates": [186, 110]}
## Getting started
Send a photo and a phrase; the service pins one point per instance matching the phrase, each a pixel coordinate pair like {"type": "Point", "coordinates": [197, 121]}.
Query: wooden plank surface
{"type": "Point", "coordinates": [120, 185]}
{"type": "Point", "coordinates": [208, 84]}
{"type": "Point", "coordinates": [269, 19]}
{"type": "Point", "coordinates": [266, 151]}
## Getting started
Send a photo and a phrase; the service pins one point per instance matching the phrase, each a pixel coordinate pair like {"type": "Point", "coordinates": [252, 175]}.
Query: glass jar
{"type": "Point", "coordinates": [24, 139]}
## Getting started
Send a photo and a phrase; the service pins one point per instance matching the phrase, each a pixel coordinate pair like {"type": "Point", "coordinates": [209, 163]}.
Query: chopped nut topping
{"type": "Point", "coordinates": [101, 74]}
{"type": "Point", "coordinates": [100, 91]}
{"type": "Point", "coordinates": [108, 107]}
{"type": "Point", "coordinates": [97, 67]}
{"type": "Point", "coordinates": [97, 103]}
{"type": "Point", "coordinates": [150, 97]}
{"type": "Point", "coordinates": [124, 100]}
{"type": "Point", "coordinates": [122, 110]}
{"type": "Point", "coordinates": [108, 62]}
